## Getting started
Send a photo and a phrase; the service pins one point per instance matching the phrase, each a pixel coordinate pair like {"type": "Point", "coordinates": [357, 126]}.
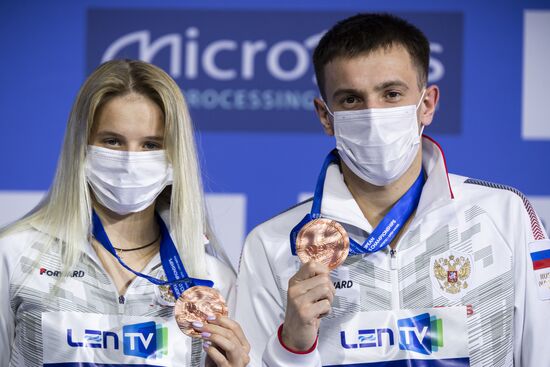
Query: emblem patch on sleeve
{"type": "Point", "coordinates": [451, 273]}
{"type": "Point", "coordinates": [540, 257]}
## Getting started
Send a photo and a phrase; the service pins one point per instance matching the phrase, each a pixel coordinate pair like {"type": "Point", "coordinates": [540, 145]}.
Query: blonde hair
{"type": "Point", "coordinates": [65, 212]}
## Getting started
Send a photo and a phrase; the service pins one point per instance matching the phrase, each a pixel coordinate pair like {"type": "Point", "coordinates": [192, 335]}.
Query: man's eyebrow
{"type": "Point", "coordinates": [389, 84]}
{"type": "Point", "coordinates": [339, 92]}
{"type": "Point", "coordinates": [380, 87]}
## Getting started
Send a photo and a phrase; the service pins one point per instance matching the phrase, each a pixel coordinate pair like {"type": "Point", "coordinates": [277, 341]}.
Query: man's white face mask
{"type": "Point", "coordinates": [127, 182]}
{"type": "Point", "coordinates": [378, 144]}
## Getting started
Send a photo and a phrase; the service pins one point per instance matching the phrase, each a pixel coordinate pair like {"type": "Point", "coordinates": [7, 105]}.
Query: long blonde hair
{"type": "Point", "coordinates": [65, 212]}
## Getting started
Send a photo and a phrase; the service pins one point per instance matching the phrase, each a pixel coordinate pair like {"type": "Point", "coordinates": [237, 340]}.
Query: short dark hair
{"type": "Point", "coordinates": [367, 32]}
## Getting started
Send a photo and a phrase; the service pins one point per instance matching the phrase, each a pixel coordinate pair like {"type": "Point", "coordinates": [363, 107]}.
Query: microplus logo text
{"type": "Point", "coordinates": [252, 70]}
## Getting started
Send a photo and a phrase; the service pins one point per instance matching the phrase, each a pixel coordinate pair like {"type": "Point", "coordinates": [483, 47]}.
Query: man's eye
{"type": "Point", "coordinates": [393, 95]}
{"type": "Point", "coordinates": [350, 100]}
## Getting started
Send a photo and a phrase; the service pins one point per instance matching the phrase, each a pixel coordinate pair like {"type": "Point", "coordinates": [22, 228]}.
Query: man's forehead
{"type": "Point", "coordinates": [378, 51]}
{"type": "Point", "coordinates": [389, 60]}
{"type": "Point", "coordinates": [372, 68]}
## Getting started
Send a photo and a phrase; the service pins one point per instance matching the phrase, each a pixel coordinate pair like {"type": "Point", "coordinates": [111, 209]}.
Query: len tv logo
{"type": "Point", "coordinates": [144, 340]}
{"type": "Point", "coordinates": [422, 333]}
{"type": "Point", "coordinates": [369, 338]}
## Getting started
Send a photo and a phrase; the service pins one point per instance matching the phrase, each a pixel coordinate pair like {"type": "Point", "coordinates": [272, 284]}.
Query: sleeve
{"type": "Point", "coordinates": [260, 310]}
{"type": "Point", "coordinates": [532, 299]}
{"type": "Point", "coordinates": [7, 317]}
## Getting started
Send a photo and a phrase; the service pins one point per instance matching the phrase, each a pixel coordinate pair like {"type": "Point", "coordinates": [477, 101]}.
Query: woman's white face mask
{"type": "Point", "coordinates": [378, 144]}
{"type": "Point", "coordinates": [127, 182]}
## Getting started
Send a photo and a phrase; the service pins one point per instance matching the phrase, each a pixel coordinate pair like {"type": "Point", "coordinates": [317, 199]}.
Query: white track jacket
{"type": "Point", "coordinates": [83, 321]}
{"type": "Point", "coordinates": [469, 284]}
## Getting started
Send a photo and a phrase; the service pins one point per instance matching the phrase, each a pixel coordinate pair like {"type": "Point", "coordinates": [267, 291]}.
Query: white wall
{"type": "Point", "coordinates": [536, 75]}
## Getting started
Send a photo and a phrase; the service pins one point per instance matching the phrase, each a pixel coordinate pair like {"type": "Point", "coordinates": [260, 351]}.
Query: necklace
{"type": "Point", "coordinates": [120, 251]}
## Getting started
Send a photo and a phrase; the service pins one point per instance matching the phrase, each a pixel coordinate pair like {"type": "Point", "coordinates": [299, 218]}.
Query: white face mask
{"type": "Point", "coordinates": [378, 144]}
{"type": "Point", "coordinates": [127, 182]}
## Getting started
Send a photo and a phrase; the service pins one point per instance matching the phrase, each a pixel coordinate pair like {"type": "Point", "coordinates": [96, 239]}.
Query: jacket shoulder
{"type": "Point", "coordinates": [282, 223]}
{"type": "Point", "coordinates": [13, 246]}
{"type": "Point", "coordinates": [468, 186]}
{"type": "Point", "coordinates": [500, 199]}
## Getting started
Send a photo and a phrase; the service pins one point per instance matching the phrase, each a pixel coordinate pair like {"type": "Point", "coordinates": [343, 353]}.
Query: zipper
{"type": "Point", "coordinates": [394, 280]}
{"type": "Point", "coordinates": [393, 259]}
{"type": "Point", "coordinates": [120, 298]}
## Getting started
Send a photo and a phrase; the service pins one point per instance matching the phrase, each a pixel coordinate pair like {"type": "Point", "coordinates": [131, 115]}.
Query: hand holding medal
{"type": "Point", "coordinates": [201, 312]}
{"type": "Point", "coordinates": [195, 305]}
{"type": "Point", "coordinates": [321, 245]}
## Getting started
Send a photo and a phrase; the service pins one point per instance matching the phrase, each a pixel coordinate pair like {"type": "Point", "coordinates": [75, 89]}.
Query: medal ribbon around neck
{"type": "Point", "coordinates": [388, 227]}
{"type": "Point", "coordinates": [178, 280]}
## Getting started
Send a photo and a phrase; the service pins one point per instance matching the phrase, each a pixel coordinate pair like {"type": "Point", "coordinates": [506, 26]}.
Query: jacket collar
{"type": "Point", "coordinates": [339, 204]}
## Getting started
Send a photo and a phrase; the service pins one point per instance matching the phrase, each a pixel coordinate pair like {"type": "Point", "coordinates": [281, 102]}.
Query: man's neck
{"type": "Point", "coordinates": [131, 230]}
{"type": "Point", "coordinates": [376, 201]}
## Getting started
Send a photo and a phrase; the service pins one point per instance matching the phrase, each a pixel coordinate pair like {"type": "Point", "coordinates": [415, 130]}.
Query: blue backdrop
{"type": "Point", "coordinates": [245, 67]}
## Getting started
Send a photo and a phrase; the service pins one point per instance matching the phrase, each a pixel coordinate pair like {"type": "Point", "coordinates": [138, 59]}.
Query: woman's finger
{"type": "Point", "coordinates": [233, 350]}
{"type": "Point", "coordinates": [234, 326]}
{"type": "Point", "coordinates": [214, 354]}
{"type": "Point", "coordinates": [210, 329]}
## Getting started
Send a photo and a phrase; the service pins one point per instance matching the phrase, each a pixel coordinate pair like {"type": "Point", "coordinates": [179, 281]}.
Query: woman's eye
{"type": "Point", "coordinates": [152, 146]}
{"type": "Point", "coordinates": [111, 141]}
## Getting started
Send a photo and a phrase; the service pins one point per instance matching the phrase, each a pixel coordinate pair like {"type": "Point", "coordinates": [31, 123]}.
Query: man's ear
{"type": "Point", "coordinates": [324, 117]}
{"type": "Point", "coordinates": [428, 105]}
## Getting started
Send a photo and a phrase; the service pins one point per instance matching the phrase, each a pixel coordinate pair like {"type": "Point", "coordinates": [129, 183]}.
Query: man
{"type": "Point", "coordinates": [439, 271]}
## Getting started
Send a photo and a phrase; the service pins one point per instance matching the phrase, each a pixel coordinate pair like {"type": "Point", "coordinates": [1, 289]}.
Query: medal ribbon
{"type": "Point", "coordinates": [384, 232]}
{"type": "Point", "coordinates": [178, 280]}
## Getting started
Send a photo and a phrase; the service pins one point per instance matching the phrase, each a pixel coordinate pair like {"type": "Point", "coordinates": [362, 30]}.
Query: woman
{"type": "Point", "coordinates": [83, 277]}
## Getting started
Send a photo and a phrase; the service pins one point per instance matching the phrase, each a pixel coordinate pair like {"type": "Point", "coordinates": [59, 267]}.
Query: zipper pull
{"type": "Point", "coordinates": [393, 259]}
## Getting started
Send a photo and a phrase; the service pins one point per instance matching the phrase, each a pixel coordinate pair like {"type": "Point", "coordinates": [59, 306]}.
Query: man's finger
{"type": "Point", "coordinates": [309, 270]}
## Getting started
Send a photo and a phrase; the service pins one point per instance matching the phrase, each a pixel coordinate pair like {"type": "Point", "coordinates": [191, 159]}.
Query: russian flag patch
{"type": "Point", "coordinates": [540, 256]}
{"type": "Point", "coordinates": [541, 259]}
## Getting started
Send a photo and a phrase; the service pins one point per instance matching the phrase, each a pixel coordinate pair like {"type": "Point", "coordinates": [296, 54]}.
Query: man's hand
{"type": "Point", "coordinates": [310, 295]}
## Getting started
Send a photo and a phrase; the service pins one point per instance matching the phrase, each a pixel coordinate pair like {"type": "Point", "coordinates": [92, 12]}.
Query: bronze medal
{"type": "Point", "coordinates": [324, 241]}
{"type": "Point", "coordinates": [196, 304]}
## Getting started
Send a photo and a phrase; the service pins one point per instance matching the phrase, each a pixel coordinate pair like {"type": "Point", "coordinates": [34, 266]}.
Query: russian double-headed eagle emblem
{"type": "Point", "coordinates": [164, 294]}
{"type": "Point", "coordinates": [450, 273]}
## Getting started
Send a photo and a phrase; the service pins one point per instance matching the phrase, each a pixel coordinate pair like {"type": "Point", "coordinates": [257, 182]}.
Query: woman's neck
{"type": "Point", "coordinates": [376, 201]}
{"type": "Point", "coordinates": [131, 230]}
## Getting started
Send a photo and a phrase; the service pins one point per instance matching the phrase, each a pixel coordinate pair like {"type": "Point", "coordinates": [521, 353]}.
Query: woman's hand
{"type": "Point", "coordinates": [224, 342]}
